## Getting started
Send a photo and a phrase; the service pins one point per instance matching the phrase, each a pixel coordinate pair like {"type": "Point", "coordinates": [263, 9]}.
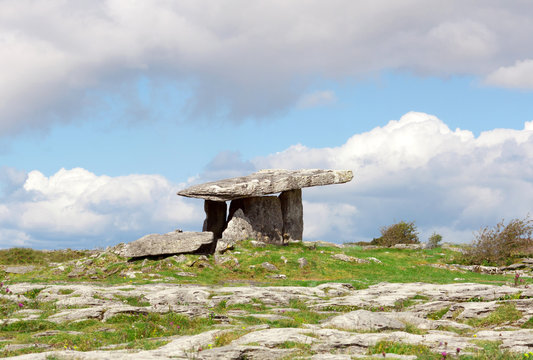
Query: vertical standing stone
{"type": "Point", "coordinates": [215, 217]}
{"type": "Point", "coordinates": [292, 211]}
{"type": "Point", "coordinates": [264, 215]}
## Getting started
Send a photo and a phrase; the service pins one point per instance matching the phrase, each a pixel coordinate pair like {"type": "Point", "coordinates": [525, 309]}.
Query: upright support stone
{"type": "Point", "coordinates": [215, 217]}
{"type": "Point", "coordinates": [264, 215]}
{"type": "Point", "coordinates": [292, 211]}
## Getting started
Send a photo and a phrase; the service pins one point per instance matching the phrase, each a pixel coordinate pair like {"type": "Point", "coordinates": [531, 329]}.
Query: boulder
{"type": "Point", "coordinates": [170, 243]}
{"type": "Point", "coordinates": [266, 182]}
{"type": "Point", "coordinates": [239, 228]}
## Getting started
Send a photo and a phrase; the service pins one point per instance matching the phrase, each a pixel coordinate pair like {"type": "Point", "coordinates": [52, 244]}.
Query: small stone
{"type": "Point", "coordinates": [268, 266]}
{"type": "Point", "coordinates": [284, 259]}
{"type": "Point", "coordinates": [302, 262]}
{"type": "Point", "coordinates": [179, 258]}
{"type": "Point", "coordinates": [258, 244]}
{"type": "Point", "coordinates": [277, 276]}
{"type": "Point", "coordinates": [186, 274]}
{"type": "Point", "coordinates": [343, 257]}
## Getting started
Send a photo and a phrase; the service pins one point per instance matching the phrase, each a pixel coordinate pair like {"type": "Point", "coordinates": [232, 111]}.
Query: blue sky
{"type": "Point", "coordinates": [101, 124]}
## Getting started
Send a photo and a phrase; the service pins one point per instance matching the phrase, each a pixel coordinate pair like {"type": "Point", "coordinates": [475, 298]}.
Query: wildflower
{"type": "Point", "coordinates": [244, 328]}
{"type": "Point", "coordinates": [475, 335]}
{"type": "Point", "coordinates": [458, 350]}
{"type": "Point", "coordinates": [383, 353]}
{"type": "Point", "coordinates": [172, 323]}
{"type": "Point", "coordinates": [444, 354]}
{"type": "Point", "coordinates": [210, 346]}
{"type": "Point", "coordinates": [21, 305]}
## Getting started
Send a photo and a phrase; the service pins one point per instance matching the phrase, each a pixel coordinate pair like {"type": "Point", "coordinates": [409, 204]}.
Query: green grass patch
{"type": "Point", "coordinates": [421, 351]}
{"type": "Point", "coordinates": [438, 314]}
{"type": "Point", "coordinates": [505, 313]}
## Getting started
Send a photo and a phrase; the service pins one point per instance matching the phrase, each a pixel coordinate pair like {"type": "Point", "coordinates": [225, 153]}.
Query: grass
{"type": "Point", "coordinates": [397, 266]}
{"type": "Point", "coordinates": [504, 314]}
{"type": "Point", "coordinates": [152, 330]}
{"type": "Point", "coordinates": [129, 331]}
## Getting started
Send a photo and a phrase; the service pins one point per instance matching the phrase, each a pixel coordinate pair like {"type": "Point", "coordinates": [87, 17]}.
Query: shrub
{"type": "Point", "coordinates": [501, 243]}
{"type": "Point", "coordinates": [399, 233]}
{"type": "Point", "coordinates": [434, 240]}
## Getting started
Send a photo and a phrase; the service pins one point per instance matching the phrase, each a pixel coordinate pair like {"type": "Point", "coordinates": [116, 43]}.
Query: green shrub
{"type": "Point", "coordinates": [502, 243]}
{"type": "Point", "coordinates": [434, 240]}
{"type": "Point", "coordinates": [399, 233]}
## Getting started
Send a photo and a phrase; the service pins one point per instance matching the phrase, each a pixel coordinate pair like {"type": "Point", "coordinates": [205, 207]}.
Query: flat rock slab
{"type": "Point", "coordinates": [165, 244]}
{"type": "Point", "coordinates": [266, 182]}
{"type": "Point", "coordinates": [363, 320]}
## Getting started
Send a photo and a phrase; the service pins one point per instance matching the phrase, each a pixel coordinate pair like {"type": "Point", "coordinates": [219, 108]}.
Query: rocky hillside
{"type": "Point", "coordinates": [303, 301]}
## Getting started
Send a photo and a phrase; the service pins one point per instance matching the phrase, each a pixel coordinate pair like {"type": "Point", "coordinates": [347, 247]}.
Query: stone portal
{"type": "Point", "coordinates": [273, 219]}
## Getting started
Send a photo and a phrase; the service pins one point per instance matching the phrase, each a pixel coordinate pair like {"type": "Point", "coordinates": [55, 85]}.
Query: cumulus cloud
{"type": "Point", "coordinates": [59, 58]}
{"type": "Point", "coordinates": [76, 208]}
{"type": "Point", "coordinates": [416, 168]}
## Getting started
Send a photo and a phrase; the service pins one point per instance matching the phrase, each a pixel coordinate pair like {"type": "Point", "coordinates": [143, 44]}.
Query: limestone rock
{"type": "Point", "coordinates": [264, 214]}
{"type": "Point", "coordinates": [347, 258]}
{"type": "Point", "coordinates": [166, 244]}
{"type": "Point", "coordinates": [266, 182]}
{"type": "Point", "coordinates": [19, 269]}
{"type": "Point", "coordinates": [268, 266]}
{"type": "Point", "coordinates": [302, 262]}
{"type": "Point", "coordinates": [239, 228]}
{"type": "Point", "coordinates": [364, 320]}
{"type": "Point", "coordinates": [215, 217]}
{"type": "Point", "coordinates": [292, 210]}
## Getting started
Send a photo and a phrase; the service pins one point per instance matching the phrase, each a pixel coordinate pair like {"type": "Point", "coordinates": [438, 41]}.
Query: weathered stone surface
{"type": "Point", "coordinates": [364, 320]}
{"type": "Point", "coordinates": [19, 269]}
{"type": "Point", "coordinates": [239, 228]}
{"type": "Point", "coordinates": [268, 266]}
{"type": "Point", "coordinates": [302, 262]}
{"type": "Point", "coordinates": [215, 217]}
{"type": "Point", "coordinates": [266, 182]}
{"type": "Point", "coordinates": [264, 214]}
{"type": "Point", "coordinates": [292, 212]}
{"type": "Point", "coordinates": [171, 243]}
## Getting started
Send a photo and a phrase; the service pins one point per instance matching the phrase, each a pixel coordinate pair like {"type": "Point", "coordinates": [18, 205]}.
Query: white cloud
{"type": "Point", "coordinates": [415, 168]}
{"type": "Point", "coordinates": [418, 169]}
{"type": "Point", "coordinates": [77, 204]}
{"type": "Point", "coordinates": [519, 75]}
{"type": "Point", "coordinates": [57, 56]}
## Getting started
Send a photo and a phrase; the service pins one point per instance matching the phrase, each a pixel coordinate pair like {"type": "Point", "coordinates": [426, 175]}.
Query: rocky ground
{"type": "Point", "coordinates": [252, 322]}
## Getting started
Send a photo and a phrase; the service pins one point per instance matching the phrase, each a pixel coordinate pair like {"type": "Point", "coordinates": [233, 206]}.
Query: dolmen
{"type": "Point", "coordinates": [252, 212]}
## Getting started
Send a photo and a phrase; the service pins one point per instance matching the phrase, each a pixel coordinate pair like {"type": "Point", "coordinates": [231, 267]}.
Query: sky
{"type": "Point", "coordinates": [109, 107]}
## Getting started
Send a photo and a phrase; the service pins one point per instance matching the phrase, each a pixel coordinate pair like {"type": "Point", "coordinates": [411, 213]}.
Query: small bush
{"type": "Point", "coordinates": [400, 233]}
{"type": "Point", "coordinates": [434, 240]}
{"type": "Point", "coordinates": [502, 243]}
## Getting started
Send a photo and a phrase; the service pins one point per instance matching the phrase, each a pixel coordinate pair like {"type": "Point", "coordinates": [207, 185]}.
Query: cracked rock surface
{"type": "Point", "coordinates": [348, 321]}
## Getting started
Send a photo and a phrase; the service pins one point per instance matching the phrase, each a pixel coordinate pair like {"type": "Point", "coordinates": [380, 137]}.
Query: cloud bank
{"type": "Point", "coordinates": [61, 59]}
{"type": "Point", "coordinates": [76, 208]}
{"type": "Point", "coordinates": [414, 169]}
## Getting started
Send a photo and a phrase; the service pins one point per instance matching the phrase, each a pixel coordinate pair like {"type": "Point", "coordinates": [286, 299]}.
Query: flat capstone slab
{"type": "Point", "coordinates": [265, 182]}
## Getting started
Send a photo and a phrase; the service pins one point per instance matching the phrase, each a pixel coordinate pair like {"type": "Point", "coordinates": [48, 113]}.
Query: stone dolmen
{"type": "Point", "coordinates": [253, 214]}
